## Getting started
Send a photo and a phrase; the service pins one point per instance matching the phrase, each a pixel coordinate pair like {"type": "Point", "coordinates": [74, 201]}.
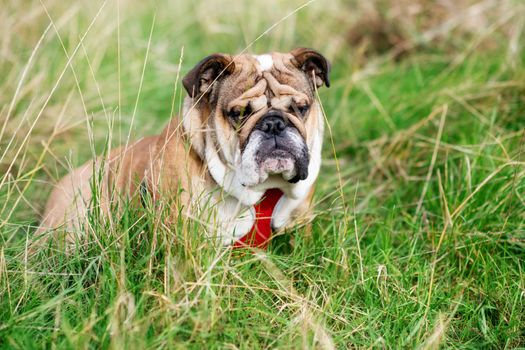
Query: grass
{"type": "Point", "coordinates": [418, 239]}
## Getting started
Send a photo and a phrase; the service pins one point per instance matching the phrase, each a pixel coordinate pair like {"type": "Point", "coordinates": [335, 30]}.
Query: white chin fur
{"type": "Point", "coordinates": [248, 172]}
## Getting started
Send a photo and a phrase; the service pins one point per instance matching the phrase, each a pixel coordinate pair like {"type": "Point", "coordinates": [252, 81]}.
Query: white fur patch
{"type": "Point", "coordinates": [265, 62]}
{"type": "Point", "coordinates": [248, 171]}
{"type": "Point", "coordinates": [226, 176]}
{"type": "Point", "coordinates": [236, 220]}
{"type": "Point", "coordinates": [283, 210]}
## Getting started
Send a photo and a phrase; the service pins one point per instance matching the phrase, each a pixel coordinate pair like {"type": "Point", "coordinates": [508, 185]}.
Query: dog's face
{"type": "Point", "coordinates": [257, 115]}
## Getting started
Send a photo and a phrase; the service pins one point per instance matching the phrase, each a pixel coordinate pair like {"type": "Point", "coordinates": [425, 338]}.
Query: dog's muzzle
{"type": "Point", "coordinates": [282, 149]}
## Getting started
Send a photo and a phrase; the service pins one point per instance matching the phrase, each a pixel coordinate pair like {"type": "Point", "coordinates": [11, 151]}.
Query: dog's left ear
{"type": "Point", "coordinates": [309, 60]}
{"type": "Point", "coordinates": [206, 72]}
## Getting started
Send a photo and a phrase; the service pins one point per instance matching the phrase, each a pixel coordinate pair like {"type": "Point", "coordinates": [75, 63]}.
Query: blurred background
{"type": "Point", "coordinates": [424, 150]}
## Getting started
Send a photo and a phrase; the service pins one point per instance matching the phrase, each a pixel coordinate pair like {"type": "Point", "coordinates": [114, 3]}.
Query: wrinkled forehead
{"type": "Point", "coordinates": [272, 75]}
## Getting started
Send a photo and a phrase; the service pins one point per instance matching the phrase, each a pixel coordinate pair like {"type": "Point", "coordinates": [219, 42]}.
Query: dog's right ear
{"type": "Point", "coordinates": [206, 72]}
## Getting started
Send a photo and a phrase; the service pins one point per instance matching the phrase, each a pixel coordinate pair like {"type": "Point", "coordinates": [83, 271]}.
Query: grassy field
{"type": "Point", "coordinates": [418, 239]}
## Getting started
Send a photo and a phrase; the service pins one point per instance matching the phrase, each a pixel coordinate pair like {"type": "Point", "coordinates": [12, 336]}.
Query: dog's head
{"type": "Point", "coordinates": [252, 118]}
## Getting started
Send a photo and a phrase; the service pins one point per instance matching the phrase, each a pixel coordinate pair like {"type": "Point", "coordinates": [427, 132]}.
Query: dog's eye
{"type": "Point", "coordinates": [237, 113]}
{"type": "Point", "coordinates": [234, 113]}
{"type": "Point", "coordinates": [302, 110]}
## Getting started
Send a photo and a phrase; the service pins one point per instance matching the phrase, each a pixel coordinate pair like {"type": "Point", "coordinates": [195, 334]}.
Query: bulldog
{"type": "Point", "coordinates": [246, 151]}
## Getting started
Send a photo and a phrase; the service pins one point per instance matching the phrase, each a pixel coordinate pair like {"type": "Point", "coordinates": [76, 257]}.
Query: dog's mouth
{"type": "Point", "coordinates": [267, 156]}
{"type": "Point", "coordinates": [282, 156]}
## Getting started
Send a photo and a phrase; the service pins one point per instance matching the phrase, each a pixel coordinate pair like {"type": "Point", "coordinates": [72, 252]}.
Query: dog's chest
{"type": "Point", "coordinates": [236, 220]}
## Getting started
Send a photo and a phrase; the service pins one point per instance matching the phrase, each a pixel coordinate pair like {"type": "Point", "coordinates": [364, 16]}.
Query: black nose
{"type": "Point", "coordinates": [272, 124]}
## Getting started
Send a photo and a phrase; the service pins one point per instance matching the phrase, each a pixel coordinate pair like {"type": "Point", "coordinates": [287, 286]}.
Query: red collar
{"type": "Point", "coordinates": [261, 232]}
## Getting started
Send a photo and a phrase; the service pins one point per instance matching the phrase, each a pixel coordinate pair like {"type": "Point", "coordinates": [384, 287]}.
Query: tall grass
{"type": "Point", "coordinates": [418, 234]}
